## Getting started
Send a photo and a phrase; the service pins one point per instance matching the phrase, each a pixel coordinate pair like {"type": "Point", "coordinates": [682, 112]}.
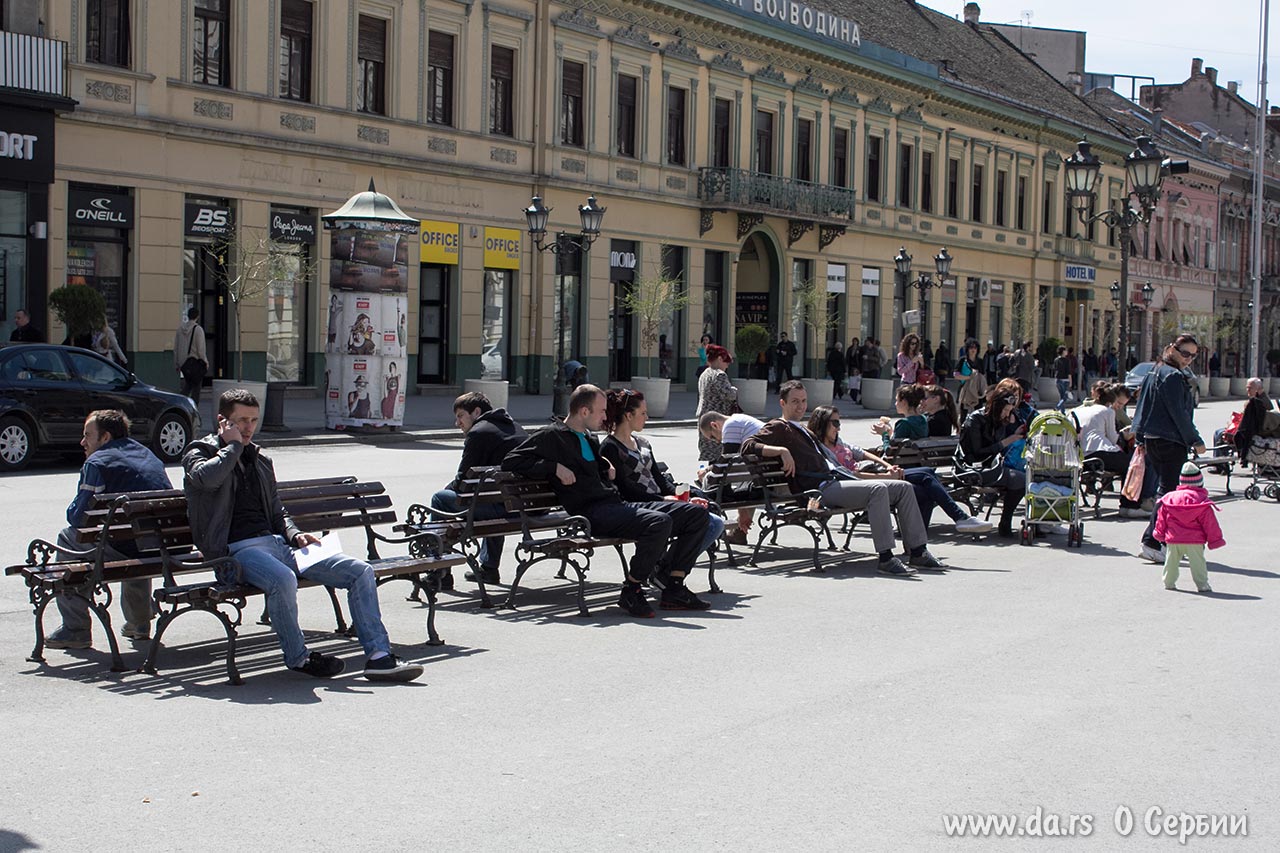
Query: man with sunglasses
{"type": "Point", "coordinates": [1164, 426]}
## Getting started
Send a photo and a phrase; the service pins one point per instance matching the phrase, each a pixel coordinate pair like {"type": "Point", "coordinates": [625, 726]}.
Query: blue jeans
{"type": "Point", "coordinates": [930, 493]}
{"type": "Point", "coordinates": [1064, 388]}
{"type": "Point", "coordinates": [715, 527]}
{"type": "Point", "coordinates": [268, 564]}
{"type": "Point", "coordinates": [491, 547]}
{"type": "Point", "coordinates": [1165, 458]}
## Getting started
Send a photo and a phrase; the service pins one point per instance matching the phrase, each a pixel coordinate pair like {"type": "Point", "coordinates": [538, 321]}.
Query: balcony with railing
{"type": "Point", "coordinates": [754, 195]}
{"type": "Point", "coordinates": [33, 65]}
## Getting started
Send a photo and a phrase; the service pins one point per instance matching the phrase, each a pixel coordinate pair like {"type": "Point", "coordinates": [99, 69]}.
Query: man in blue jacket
{"type": "Point", "coordinates": [113, 463]}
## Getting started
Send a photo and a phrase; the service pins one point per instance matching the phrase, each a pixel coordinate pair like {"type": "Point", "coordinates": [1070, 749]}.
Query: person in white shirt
{"type": "Point", "coordinates": [1100, 439]}
{"type": "Point", "coordinates": [731, 431]}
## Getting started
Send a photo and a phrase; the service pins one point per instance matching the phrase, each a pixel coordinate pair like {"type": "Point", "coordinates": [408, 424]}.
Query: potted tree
{"type": "Point", "coordinates": [80, 309]}
{"type": "Point", "coordinates": [748, 343]}
{"type": "Point", "coordinates": [654, 300]}
{"type": "Point", "coordinates": [811, 306]}
{"type": "Point", "coordinates": [1047, 387]}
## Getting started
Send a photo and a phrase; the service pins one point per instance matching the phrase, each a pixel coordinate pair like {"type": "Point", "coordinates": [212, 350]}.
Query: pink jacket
{"type": "Point", "coordinates": [1185, 516]}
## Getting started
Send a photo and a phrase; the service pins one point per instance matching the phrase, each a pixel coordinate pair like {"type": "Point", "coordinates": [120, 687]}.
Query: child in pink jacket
{"type": "Point", "coordinates": [1185, 523]}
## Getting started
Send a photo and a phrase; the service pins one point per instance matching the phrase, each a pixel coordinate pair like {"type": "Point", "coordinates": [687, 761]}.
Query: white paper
{"type": "Point", "coordinates": [308, 556]}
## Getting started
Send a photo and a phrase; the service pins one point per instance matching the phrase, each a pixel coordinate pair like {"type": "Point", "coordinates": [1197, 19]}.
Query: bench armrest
{"type": "Point", "coordinates": [41, 553]}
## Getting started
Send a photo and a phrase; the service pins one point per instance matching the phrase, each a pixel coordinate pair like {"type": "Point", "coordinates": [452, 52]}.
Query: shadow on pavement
{"type": "Point", "coordinates": [16, 842]}
{"type": "Point", "coordinates": [1225, 596]}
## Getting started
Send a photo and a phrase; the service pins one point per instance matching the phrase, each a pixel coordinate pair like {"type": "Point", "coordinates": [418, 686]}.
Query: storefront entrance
{"type": "Point", "coordinates": [204, 279]}
{"type": "Point", "coordinates": [433, 323]}
{"type": "Point", "coordinates": [757, 292]}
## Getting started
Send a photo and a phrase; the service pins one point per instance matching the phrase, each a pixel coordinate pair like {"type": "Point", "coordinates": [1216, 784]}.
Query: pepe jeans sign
{"type": "Point", "coordinates": [804, 17]}
{"type": "Point", "coordinates": [1079, 272]}
{"type": "Point", "coordinates": [290, 226]}
{"type": "Point", "coordinates": [208, 220]}
{"type": "Point", "coordinates": [112, 210]}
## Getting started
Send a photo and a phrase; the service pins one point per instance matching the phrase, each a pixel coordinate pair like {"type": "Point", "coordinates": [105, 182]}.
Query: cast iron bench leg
{"type": "Point", "coordinates": [510, 603]}
{"type": "Point", "coordinates": [343, 628]}
{"type": "Point", "coordinates": [711, 569]}
{"type": "Point", "coordinates": [153, 650]}
{"type": "Point", "coordinates": [433, 639]}
{"type": "Point", "coordinates": [40, 598]}
{"type": "Point", "coordinates": [117, 665]}
{"type": "Point", "coordinates": [582, 582]}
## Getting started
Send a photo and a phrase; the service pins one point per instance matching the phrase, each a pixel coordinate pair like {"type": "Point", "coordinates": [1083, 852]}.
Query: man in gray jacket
{"type": "Point", "coordinates": [234, 508]}
{"type": "Point", "coordinates": [189, 356]}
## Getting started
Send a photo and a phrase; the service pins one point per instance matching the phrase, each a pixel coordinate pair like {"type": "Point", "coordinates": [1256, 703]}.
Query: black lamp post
{"type": "Point", "coordinates": [1145, 168]}
{"type": "Point", "coordinates": [592, 217]}
{"type": "Point", "coordinates": [941, 262]}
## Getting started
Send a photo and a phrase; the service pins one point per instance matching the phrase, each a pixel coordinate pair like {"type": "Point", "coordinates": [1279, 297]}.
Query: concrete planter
{"type": "Point", "coordinates": [1219, 386]}
{"type": "Point", "coordinates": [752, 395]}
{"type": "Point", "coordinates": [1203, 382]}
{"type": "Point", "coordinates": [877, 394]}
{"type": "Point", "coordinates": [1239, 386]}
{"type": "Point", "coordinates": [820, 392]}
{"type": "Point", "coordinates": [497, 390]}
{"type": "Point", "coordinates": [1047, 390]}
{"type": "Point", "coordinates": [221, 386]}
{"type": "Point", "coordinates": [657, 394]}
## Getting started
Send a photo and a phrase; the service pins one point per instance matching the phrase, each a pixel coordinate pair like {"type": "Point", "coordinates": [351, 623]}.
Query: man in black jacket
{"type": "Point", "coordinates": [490, 435]}
{"type": "Point", "coordinates": [786, 356]}
{"type": "Point", "coordinates": [667, 534]}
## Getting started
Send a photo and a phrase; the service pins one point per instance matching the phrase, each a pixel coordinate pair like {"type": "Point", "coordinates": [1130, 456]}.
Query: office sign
{"type": "Point", "coordinates": [207, 219]}
{"type": "Point", "coordinates": [293, 226]}
{"type": "Point", "coordinates": [101, 210]}
{"type": "Point", "coordinates": [501, 249]}
{"type": "Point", "coordinates": [439, 242]}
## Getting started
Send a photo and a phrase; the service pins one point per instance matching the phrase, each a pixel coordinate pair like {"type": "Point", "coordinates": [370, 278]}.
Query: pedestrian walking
{"type": "Point", "coordinates": [1185, 523]}
{"type": "Point", "coordinates": [715, 394]}
{"type": "Point", "coordinates": [189, 356]}
{"type": "Point", "coordinates": [836, 367]}
{"type": "Point", "coordinates": [1062, 377]}
{"type": "Point", "coordinates": [910, 359]}
{"type": "Point", "coordinates": [786, 357]}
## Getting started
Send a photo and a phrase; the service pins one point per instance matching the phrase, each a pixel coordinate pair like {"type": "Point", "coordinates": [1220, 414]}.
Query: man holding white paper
{"type": "Point", "coordinates": [234, 508]}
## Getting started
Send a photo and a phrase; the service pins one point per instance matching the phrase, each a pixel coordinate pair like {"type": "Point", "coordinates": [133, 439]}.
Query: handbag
{"type": "Point", "coordinates": [925, 376]}
{"type": "Point", "coordinates": [1132, 489]}
{"type": "Point", "coordinates": [192, 369]}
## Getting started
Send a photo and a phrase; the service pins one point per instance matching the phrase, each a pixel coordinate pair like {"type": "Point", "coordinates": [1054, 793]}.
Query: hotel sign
{"type": "Point", "coordinates": [1079, 272]}
{"type": "Point", "coordinates": [804, 17]}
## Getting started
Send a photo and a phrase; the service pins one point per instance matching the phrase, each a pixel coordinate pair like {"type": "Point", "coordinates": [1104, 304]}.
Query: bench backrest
{"type": "Point", "coordinates": [922, 452]}
{"type": "Point", "coordinates": [746, 479]}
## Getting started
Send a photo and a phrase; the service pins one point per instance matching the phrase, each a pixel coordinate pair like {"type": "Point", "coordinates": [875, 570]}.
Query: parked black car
{"type": "Point", "coordinates": [1133, 381]}
{"type": "Point", "coordinates": [46, 391]}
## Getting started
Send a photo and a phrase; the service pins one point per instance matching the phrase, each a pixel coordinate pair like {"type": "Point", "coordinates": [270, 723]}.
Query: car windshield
{"type": "Point", "coordinates": [1140, 370]}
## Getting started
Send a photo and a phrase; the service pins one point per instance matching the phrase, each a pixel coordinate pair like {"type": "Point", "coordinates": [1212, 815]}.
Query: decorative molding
{"type": "Point", "coordinates": [707, 219]}
{"type": "Point", "coordinates": [105, 90]}
{"type": "Point", "coordinates": [210, 108]}
{"type": "Point", "coordinates": [797, 228]}
{"type": "Point", "coordinates": [503, 155]}
{"type": "Point", "coordinates": [809, 84]}
{"type": "Point", "coordinates": [440, 145]}
{"type": "Point", "coordinates": [880, 104]}
{"type": "Point", "coordinates": [873, 214]}
{"type": "Point", "coordinates": [352, 30]}
{"type": "Point", "coordinates": [300, 123]}
{"type": "Point", "coordinates": [681, 49]}
{"type": "Point", "coordinates": [953, 230]}
{"type": "Point", "coordinates": [1022, 241]}
{"type": "Point", "coordinates": [631, 176]}
{"type": "Point", "coordinates": [925, 226]}
{"type": "Point", "coordinates": [73, 46]}
{"type": "Point", "coordinates": [184, 42]}
{"type": "Point", "coordinates": [747, 221]}
{"type": "Point", "coordinates": [827, 235]}
{"type": "Point", "coordinates": [368, 133]}
{"type": "Point", "coordinates": [676, 183]}
{"type": "Point", "coordinates": [634, 35]}
{"type": "Point", "coordinates": [570, 164]}
{"type": "Point", "coordinates": [507, 11]}
{"type": "Point", "coordinates": [142, 44]}
{"type": "Point", "coordinates": [772, 75]}
{"type": "Point", "coordinates": [728, 62]}
{"type": "Point", "coordinates": [976, 234]}
{"type": "Point", "coordinates": [910, 113]}
{"type": "Point", "coordinates": [904, 219]}
{"type": "Point", "coordinates": [580, 21]}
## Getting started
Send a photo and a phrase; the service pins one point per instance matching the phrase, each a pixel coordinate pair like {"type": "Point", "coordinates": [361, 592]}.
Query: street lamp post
{"type": "Point", "coordinates": [592, 217]}
{"type": "Point", "coordinates": [941, 263]}
{"type": "Point", "coordinates": [1145, 170]}
{"type": "Point", "coordinates": [1148, 293]}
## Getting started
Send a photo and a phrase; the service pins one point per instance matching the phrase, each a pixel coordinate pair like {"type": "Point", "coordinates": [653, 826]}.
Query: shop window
{"type": "Point", "coordinates": [287, 312]}
{"type": "Point", "coordinates": [670, 342]}
{"type": "Point", "coordinates": [502, 77]}
{"type": "Point", "coordinates": [107, 32]}
{"type": "Point", "coordinates": [713, 295]}
{"type": "Point", "coordinates": [495, 333]}
{"type": "Point", "coordinates": [371, 62]}
{"type": "Point", "coordinates": [295, 50]}
{"type": "Point", "coordinates": [211, 52]}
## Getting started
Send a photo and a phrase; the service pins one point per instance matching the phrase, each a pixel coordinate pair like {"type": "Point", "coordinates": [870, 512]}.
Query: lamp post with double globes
{"type": "Point", "coordinates": [1145, 169]}
{"type": "Point", "coordinates": [942, 265]}
{"type": "Point", "coordinates": [536, 216]}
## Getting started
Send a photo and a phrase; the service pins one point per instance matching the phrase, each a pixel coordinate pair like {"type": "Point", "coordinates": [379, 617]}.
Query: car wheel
{"type": "Point", "coordinates": [172, 436]}
{"type": "Point", "coordinates": [17, 444]}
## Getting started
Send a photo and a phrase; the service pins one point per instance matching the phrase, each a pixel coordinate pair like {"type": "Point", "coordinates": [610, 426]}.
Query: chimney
{"type": "Point", "coordinates": [1233, 87]}
{"type": "Point", "coordinates": [1212, 74]}
{"type": "Point", "coordinates": [1197, 67]}
{"type": "Point", "coordinates": [972, 12]}
{"type": "Point", "coordinates": [1075, 82]}
{"type": "Point", "coordinates": [1157, 121]}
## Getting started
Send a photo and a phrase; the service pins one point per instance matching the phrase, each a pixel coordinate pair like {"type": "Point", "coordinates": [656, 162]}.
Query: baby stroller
{"type": "Point", "coordinates": [1053, 463]}
{"type": "Point", "coordinates": [1263, 459]}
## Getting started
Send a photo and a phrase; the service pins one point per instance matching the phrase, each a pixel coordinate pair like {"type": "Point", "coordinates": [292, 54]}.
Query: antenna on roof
{"type": "Point", "coordinates": [1027, 15]}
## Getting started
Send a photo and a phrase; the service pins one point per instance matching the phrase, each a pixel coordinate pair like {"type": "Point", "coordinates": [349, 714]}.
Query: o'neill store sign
{"type": "Point", "coordinates": [803, 17]}
{"type": "Point", "coordinates": [104, 210]}
{"type": "Point", "coordinates": [1081, 274]}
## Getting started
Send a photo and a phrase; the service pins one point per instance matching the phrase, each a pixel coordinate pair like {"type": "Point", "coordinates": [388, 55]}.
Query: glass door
{"type": "Point", "coordinates": [433, 323]}
{"type": "Point", "coordinates": [620, 342]}
{"type": "Point", "coordinates": [203, 279]}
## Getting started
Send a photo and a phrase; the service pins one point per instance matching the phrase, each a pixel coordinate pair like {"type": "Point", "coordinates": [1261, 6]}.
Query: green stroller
{"type": "Point", "coordinates": [1053, 461]}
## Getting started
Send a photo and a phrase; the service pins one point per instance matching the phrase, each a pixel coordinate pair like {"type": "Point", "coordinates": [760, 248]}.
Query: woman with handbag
{"type": "Point", "coordinates": [910, 361]}
{"type": "Point", "coordinates": [715, 394]}
{"type": "Point", "coordinates": [1100, 439]}
{"type": "Point", "coordinates": [984, 437]}
{"type": "Point", "coordinates": [189, 356]}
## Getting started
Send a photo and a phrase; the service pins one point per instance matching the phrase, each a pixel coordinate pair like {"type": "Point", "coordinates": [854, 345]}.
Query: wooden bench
{"type": "Point", "coordinates": [155, 525]}
{"type": "Point", "coordinates": [939, 453]}
{"type": "Point", "coordinates": [547, 533]}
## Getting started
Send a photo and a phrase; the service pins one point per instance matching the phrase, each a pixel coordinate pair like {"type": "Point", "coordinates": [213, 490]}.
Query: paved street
{"type": "Point", "coordinates": [834, 711]}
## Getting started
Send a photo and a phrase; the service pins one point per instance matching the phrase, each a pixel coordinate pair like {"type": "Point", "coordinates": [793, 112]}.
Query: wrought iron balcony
{"type": "Point", "coordinates": [756, 194]}
{"type": "Point", "coordinates": [33, 64]}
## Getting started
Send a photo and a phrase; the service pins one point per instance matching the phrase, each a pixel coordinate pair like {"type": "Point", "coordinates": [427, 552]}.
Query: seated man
{"type": "Point", "coordinates": [234, 508]}
{"type": "Point", "coordinates": [113, 463]}
{"type": "Point", "coordinates": [490, 435]}
{"type": "Point", "coordinates": [808, 466]}
{"type": "Point", "coordinates": [1253, 418]}
{"type": "Point", "coordinates": [730, 431]}
{"type": "Point", "coordinates": [668, 534]}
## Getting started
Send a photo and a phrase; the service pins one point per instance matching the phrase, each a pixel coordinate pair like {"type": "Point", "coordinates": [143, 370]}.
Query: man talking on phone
{"type": "Point", "coordinates": [234, 508]}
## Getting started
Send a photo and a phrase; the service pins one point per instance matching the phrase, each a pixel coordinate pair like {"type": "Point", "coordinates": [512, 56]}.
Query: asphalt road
{"type": "Point", "coordinates": [834, 711]}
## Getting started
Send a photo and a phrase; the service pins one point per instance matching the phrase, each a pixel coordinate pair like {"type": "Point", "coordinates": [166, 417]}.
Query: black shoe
{"type": "Point", "coordinates": [925, 560]}
{"type": "Point", "coordinates": [893, 566]}
{"type": "Point", "coordinates": [446, 579]}
{"type": "Point", "coordinates": [680, 597]}
{"type": "Point", "coordinates": [1007, 532]}
{"type": "Point", "coordinates": [321, 666]}
{"type": "Point", "coordinates": [634, 602]}
{"type": "Point", "coordinates": [487, 575]}
{"type": "Point", "coordinates": [391, 668]}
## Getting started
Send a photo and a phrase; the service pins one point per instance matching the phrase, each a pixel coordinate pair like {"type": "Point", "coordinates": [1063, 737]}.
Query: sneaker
{"type": "Point", "coordinates": [1007, 533]}
{"type": "Point", "coordinates": [138, 634]}
{"type": "Point", "coordinates": [680, 597]}
{"type": "Point", "coordinates": [1153, 555]}
{"type": "Point", "coordinates": [320, 666]}
{"type": "Point", "coordinates": [634, 602]}
{"type": "Point", "coordinates": [925, 560]}
{"type": "Point", "coordinates": [1170, 587]}
{"type": "Point", "coordinates": [64, 639]}
{"type": "Point", "coordinates": [487, 575]}
{"type": "Point", "coordinates": [391, 668]}
{"type": "Point", "coordinates": [1205, 589]}
{"type": "Point", "coordinates": [736, 536]}
{"type": "Point", "coordinates": [893, 566]}
{"type": "Point", "coordinates": [969, 524]}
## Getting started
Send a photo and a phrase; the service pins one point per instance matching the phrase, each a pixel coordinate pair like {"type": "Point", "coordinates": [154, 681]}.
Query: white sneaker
{"type": "Point", "coordinates": [1153, 555]}
{"type": "Point", "coordinates": [969, 524]}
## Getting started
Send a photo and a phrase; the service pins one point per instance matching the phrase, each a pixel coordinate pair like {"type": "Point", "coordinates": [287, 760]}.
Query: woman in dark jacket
{"type": "Point", "coordinates": [942, 361]}
{"type": "Point", "coordinates": [984, 437]}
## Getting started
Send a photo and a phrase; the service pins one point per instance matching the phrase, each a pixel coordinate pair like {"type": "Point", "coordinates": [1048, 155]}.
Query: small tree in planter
{"type": "Point", "coordinates": [79, 308]}
{"type": "Point", "coordinates": [653, 301]}
{"type": "Point", "coordinates": [748, 343]}
{"type": "Point", "coordinates": [811, 306]}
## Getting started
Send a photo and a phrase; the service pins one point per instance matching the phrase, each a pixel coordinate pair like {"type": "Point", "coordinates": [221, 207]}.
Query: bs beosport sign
{"type": "Point", "coordinates": [204, 219]}
{"type": "Point", "coordinates": [100, 210]}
